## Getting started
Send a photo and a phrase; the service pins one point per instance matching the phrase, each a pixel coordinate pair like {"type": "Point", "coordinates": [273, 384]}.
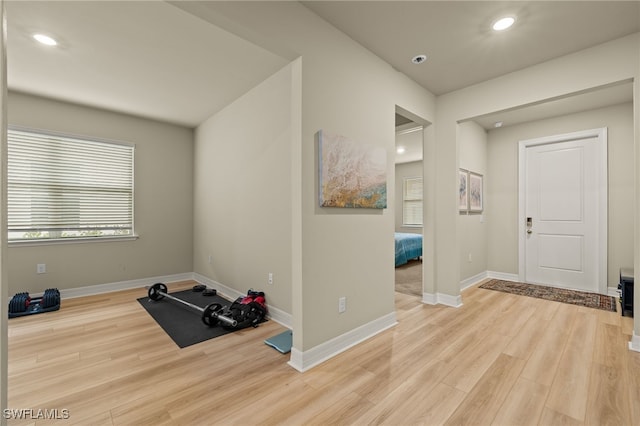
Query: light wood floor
{"type": "Point", "coordinates": [499, 359]}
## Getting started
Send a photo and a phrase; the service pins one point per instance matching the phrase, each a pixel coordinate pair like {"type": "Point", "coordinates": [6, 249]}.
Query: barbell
{"type": "Point", "coordinates": [211, 314]}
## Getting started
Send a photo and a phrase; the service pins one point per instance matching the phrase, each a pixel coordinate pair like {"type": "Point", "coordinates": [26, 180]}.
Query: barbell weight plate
{"type": "Point", "coordinates": [209, 315]}
{"type": "Point", "coordinates": [22, 301]}
{"type": "Point", "coordinates": [56, 297]}
{"type": "Point", "coordinates": [12, 305]}
{"type": "Point", "coordinates": [47, 300]}
{"type": "Point", "coordinates": [155, 291]}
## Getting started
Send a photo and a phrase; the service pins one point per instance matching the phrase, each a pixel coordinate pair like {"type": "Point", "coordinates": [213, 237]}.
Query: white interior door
{"type": "Point", "coordinates": [563, 229]}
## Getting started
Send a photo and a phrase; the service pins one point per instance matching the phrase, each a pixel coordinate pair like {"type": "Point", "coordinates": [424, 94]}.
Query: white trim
{"type": "Point", "coordinates": [305, 360]}
{"type": "Point", "coordinates": [429, 299]}
{"type": "Point", "coordinates": [442, 299]}
{"type": "Point", "coordinates": [85, 240]}
{"type": "Point", "coordinates": [613, 292]}
{"type": "Point", "coordinates": [634, 343]}
{"type": "Point", "coordinates": [277, 315]}
{"type": "Point", "coordinates": [92, 290]}
{"type": "Point", "coordinates": [471, 281]}
{"type": "Point", "coordinates": [601, 172]}
{"type": "Point", "coordinates": [503, 276]}
{"type": "Point", "coordinates": [448, 300]}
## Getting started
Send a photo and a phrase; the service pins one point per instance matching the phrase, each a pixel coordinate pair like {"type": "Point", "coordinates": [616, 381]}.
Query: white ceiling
{"type": "Point", "coordinates": [457, 38]}
{"type": "Point", "coordinates": [120, 56]}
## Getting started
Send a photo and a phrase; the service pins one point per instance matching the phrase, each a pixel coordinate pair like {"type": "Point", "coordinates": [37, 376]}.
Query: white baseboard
{"type": "Point", "coordinates": [442, 299]}
{"type": "Point", "coordinates": [303, 361]}
{"type": "Point", "coordinates": [502, 276]}
{"type": "Point", "coordinates": [430, 298]}
{"type": "Point", "coordinates": [471, 281]}
{"type": "Point", "coordinates": [456, 301]}
{"type": "Point", "coordinates": [634, 343]}
{"type": "Point", "coordinates": [92, 290]}
{"type": "Point", "coordinates": [277, 315]}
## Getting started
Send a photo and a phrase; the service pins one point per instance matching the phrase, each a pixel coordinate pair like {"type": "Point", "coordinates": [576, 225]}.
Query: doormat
{"type": "Point", "coordinates": [573, 297]}
{"type": "Point", "coordinates": [183, 324]}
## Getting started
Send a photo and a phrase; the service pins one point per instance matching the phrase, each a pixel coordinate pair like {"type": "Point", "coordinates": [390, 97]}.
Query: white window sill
{"type": "Point", "coordinates": [47, 242]}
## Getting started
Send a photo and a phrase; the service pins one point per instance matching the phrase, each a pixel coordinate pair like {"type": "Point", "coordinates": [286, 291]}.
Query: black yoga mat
{"type": "Point", "coordinates": [182, 323]}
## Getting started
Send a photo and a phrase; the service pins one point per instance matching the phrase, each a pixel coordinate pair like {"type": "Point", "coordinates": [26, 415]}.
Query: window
{"type": "Point", "coordinates": [62, 187]}
{"type": "Point", "coordinates": [412, 201]}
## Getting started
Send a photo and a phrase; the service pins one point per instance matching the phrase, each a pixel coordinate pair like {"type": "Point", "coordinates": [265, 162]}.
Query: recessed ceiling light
{"type": "Point", "coordinates": [400, 150]}
{"type": "Point", "coordinates": [45, 39]}
{"type": "Point", "coordinates": [419, 59]}
{"type": "Point", "coordinates": [503, 23]}
{"type": "Point", "coordinates": [497, 124]}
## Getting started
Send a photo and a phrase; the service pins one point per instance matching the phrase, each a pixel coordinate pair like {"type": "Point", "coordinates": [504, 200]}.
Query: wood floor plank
{"type": "Point", "coordinates": [632, 392]}
{"type": "Point", "coordinates": [605, 407]}
{"type": "Point", "coordinates": [553, 418]}
{"type": "Point", "coordinates": [542, 364]}
{"type": "Point", "coordinates": [108, 362]}
{"type": "Point", "coordinates": [471, 363]}
{"type": "Point", "coordinates": [569, 391]}
{"type": "Point", "coordinates": [482, 404]}
{"type": "Point", "coordinates": [523, 405]}
{"type": "Point", "coordinates": [525, 342]}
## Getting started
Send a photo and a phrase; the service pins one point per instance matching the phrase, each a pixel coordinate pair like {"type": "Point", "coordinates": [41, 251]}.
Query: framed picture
{"type": "Point", "coordinates": [463, 190]}
{"type": "Point", "coordinates": [352, 174]}
{"type": "Point", "coordinates": [475, 193]}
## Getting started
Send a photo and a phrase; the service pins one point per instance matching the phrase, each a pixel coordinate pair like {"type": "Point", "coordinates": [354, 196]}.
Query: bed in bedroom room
{"type": "Point", "coordinates": [408, 246]}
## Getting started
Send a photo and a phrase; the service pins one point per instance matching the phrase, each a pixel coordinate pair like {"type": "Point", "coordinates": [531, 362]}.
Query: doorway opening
{"type": "Point", "coordinates": [409, 201]}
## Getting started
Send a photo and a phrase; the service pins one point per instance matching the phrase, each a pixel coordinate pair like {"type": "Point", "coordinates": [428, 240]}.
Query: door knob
{"type": "Point", "coordinates": [529, 231]}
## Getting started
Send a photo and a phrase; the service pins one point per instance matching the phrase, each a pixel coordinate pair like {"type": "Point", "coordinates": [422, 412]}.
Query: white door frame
{"type": "Point", "coordinates": [600, 136]}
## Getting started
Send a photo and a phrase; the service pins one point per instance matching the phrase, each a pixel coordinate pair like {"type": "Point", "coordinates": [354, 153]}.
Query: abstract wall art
{"type": "Point", "coordinates": [463, 190]}
{"type": "Point", "coordinates": [475, 193]}
{"type": "Point", "coordinates": [351, 174]}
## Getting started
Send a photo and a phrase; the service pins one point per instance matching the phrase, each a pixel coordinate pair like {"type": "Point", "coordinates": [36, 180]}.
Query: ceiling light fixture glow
{"type": "Point", "coordinates": [497, 124]}
{"type": "Point", "coordinates": [45, 39]}
{"type": "Point", "coordinates": [503, 23]}
{"type": "Point", "coordinates": [400, 150]}
{"type": "Point", "coordinates": [418, 59]}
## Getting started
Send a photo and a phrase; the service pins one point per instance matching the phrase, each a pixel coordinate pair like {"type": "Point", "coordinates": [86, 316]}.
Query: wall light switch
{"type": "Point", "coordinates": [342, 304]}
{"type": "Point", "coordinates": [41, 268]}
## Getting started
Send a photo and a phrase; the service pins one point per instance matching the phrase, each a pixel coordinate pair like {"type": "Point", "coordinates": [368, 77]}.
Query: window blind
{"type": "Point", "coordinates": [64, 187]}
{"type": "Point", "coordinates": [412, 202]}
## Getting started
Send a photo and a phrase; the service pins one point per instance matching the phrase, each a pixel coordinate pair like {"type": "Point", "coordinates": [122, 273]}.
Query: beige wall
{"type": "Point", "coordinates": [243, 192]}
{"type": "Point", "coordinates": [503, 184]}
{"type": "Point", "coordinates": [347, 90]}
{"type": "Point", "coordinates": [163, 202]}
{"type": "Point", "coordinates": [405, 170]}
{"type": "Point", "coordinates": [601, 65]}
{"type": "Point", "coordinates": [472, 227]}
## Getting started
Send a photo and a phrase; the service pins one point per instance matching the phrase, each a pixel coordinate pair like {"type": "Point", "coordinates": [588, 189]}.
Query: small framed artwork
{"type": "Point", "coordinates": [475, 193]}
{"type": "Point", "coordinates": [463, 190]}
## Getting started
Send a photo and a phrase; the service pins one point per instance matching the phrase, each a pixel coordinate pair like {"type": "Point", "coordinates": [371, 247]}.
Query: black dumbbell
{"type": "Point", "coordinates": [19, 303]}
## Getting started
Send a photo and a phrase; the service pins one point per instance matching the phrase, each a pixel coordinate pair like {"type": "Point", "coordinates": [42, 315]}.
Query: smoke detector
{"type": "Point", "coordinates": [419, 59]}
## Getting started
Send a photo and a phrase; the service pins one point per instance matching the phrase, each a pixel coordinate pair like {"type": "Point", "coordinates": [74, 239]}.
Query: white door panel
{"type": "Point", "coordinates": [562, 252]}
{"type": "Point", "coordinates": [561, 229]}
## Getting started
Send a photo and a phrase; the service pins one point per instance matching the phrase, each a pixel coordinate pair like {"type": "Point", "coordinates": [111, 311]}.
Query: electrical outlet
{"type": "Point", "coordinates": [270, 278]}
{"type": "Point", "coordinates": [210, 258]}
{"type": "Point", "coordinates": [41, 268]}
{"type": "Point", "coordinates": [342, 304]}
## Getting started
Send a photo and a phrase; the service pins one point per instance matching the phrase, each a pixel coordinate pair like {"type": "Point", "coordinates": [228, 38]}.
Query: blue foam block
{"type": "Point", "coordinates": [281, 342]}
